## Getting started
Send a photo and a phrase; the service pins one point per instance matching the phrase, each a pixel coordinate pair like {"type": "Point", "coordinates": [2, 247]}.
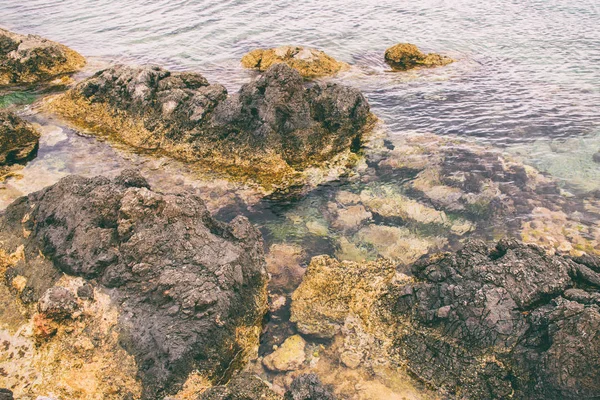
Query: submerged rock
{"type": "Point", "coordinates": [308, 387]}
{"type": "Point", "coordinates": [270, 131]}
{"type": "Point", "coordinates": [28, 59]}
{"type": "Point", "coordinates": [189, 292]}
{"type": "Point", "coordinates": [288, 357]}
{"type": "Point", "coordinates": [480, 323]}
{"type": "Point", "coordinates": [310, 63]}
{"type": "Point", "coordinates": [405, 56]}
{"type": "Point", "coordinates": [241, 387]}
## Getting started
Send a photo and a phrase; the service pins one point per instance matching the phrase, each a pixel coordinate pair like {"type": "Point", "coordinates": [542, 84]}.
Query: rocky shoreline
{"type": "Point", "coordinates": [113, 289]}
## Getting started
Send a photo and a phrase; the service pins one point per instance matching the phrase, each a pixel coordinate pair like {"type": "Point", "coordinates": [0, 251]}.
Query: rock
{"type": "Point", "coordinates": [308, 387]}
{"type": "Point", "coordinates": [189, 291]}
{"type": "Point", "coordinates": [6, 394]}
{"type": "Point", "coordinates": [289, 357]}
{"type": "Point", "coordinates": [58, 303]}
{"type": "Point", "coordinates": [504, 324]}
{"type": "Point", "coordinates": [28, 59]}
{"type": "Point", "coordinates": [310, 63]}
{"type": "Point", "coordinates": [85, 292]}
{"type": "Point", "coordinates": [271, 130]}
{"type": "Point", "coordinates": [284, 263]}
{"type": "Point", "coordinates": [596, 157]}
{"type": "Point", "coordinates": [241, 387]}
{"type": "Point", "coordinates": [484, 322]}
{"type": "Point", "coordinates": [332, 290]}
{"type": "Point", "coordinates": [18, 139]}
{"type": "Point", "coordinates": [405, 56]}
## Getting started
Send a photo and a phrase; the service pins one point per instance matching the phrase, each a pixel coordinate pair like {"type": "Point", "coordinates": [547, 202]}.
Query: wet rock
{"type": "Point", "coordinates": [405, 56]}
{"type": "Point", "coordinates": [288, 357]}
{"type": "Point", "coordinates": [28, 59]}
{"type": "Point", "coordinates": [18, 140]}
{"type": "Point", "coordinates": [6, 394]}
{"type": "Point", "coordinates": [241, 387]}
{"type": "Point", "coordinates": [58, 303]}
{"type": "Point", "coordinates": [308, 387]}
{"type": "Point", "coordinates": [190, 291]}
{"type": "Point", "coordinates": [271, 130]}
{"type": "Point", "coordinates": [310, 63]}
{"type": "Point", "coordinates": [284, 263]}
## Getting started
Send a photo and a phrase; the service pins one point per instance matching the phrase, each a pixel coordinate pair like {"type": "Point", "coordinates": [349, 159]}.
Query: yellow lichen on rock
{"type": "Point", "coordinates": [405, 56]}
{"type": "Point", "coordinates": [310, 63]}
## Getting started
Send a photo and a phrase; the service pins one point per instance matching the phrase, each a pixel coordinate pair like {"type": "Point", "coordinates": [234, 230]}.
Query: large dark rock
{"type": "Point", "coordinates": [500, 322]}
{"type": "Point", "coordinates": [6, 394]}
{"type": "Point", "coordinates": [18, 139]}
{"type": "Point", "coordinates": [27, 59]}
{"type": "Point", "coordinates": [274, 127]}
{"type": "Point", "coordinates": [191, 291]}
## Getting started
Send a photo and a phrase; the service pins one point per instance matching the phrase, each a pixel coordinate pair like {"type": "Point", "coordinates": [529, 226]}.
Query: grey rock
{"type": "Point", "coordinates": [308, 387]}
{"type": "Point", "coordinates": [6, 394]}
{"type": "Point", "coordinates": [203, 280]}
{"type": "Point", "coordinates": [58, 303]}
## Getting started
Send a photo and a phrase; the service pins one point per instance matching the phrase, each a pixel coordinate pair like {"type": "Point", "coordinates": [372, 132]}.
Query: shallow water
{"type": "Point", "coordinates": [525, 87]}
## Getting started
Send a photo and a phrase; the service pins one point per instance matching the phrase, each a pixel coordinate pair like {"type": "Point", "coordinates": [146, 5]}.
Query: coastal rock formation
{"type": "Point", "coordinates": [18, 142]}
{"type": "Point", "coordinates": [310, 63]}
{"type": "Point", "coordinates": [405, 56]}
{"type": "Point", "coordinates": [508, 321]}
{"type": "Point", "coordinates": [184, 291]}
{"type": "Point", "coordinates": [29, 59]}
{"type": "Point", "coordinates": [272, 129]}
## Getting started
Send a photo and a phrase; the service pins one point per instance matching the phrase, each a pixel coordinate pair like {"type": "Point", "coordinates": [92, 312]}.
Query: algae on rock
{"type": "Point", "coordinates": [405, 56]}
{"type": "Point", "coordinates": [310, 63]}
{"type": "Point", "coordinates": [30, 59]}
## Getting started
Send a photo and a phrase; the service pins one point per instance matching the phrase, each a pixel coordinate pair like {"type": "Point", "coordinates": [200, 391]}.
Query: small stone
{"type": "Point", "coordinates": [58, 303]}
{"type": "Point", "coordinates": [596, 157]}
{"type": "Point", "coordinates": [350, 359]}
{"type": "Point", "coordinates": [404, 56]}
{"type": "Point", "coordinates": [85, 292]}
{"type": "Point", "coordinates": [19, 282]}
{"type": "Point", "coordinates": [289, 357]}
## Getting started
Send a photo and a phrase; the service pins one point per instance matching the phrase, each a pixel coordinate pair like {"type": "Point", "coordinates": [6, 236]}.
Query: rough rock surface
{"type": "Point", "coordinates": [288, 357]}
{"type": "Point", "coordinates": [269, 131]}
{"type": "Point", "coordinates": [18, 139]}
{"type": "Point", "coordinates": [6, 394]}
{"type": "Point", "coordinates": [191, 291]}
{"type": "Point", "coordinates": [28, 59]}
{"type": "Point", "coordinates": [405, 56]}
{"type": "Point", "coordinates": [310, 63]}
{"type": "Point", "coordinates": [509, 321]}
{"type": "Point", "coordinates": [308, 387]}
{"type": "Point", "coordinates": [241, 387]}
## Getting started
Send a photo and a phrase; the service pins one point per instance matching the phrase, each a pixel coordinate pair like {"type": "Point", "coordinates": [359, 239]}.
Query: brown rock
{"type": "Point", "coordinates": [405, 56]}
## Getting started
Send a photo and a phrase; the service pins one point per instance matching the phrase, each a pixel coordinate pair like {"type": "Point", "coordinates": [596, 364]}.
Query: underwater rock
{"type": "Point", "coordinates": [243, 386]}
{"type": "Point", "coordinates": [310, 63]}
{"type": "Point", "coordinates": [511, 320]}
{"type": "Point", "coordinates": [308, 387]}
{"type": "Point", "coordinates": [29, 59]}
{"type": "Point", "coordinates": [274, 128]}
{"type": "Point", "coordinates": [288, 357]}
{"type": "Point", "coordinates": [18, 141]}
{"type": "Point", "coordinates": [189, 292]}
{"type": "Point", "coordinates": [284, 263]}
{"type": "Point", "coordinates": [332, 290]}
{"type": "Point", "coordinates": [405, 56]}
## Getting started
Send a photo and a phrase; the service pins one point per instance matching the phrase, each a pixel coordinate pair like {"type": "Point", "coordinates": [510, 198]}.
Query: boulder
{"type": "Point", "coordinates": [188, 291]}
{"type": "Point", "coordinates": [271, 130]}
{"type": "Point", "coordinates": [405, 56]}
{"type": "Point", "coordinates": [30, 59]}
{"type": "Point", "coordinates": [310, 63]}
{"type": "Point", "coordinates": [18, 139]}
{"type": "Point", "coordinates": [499, 322]}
